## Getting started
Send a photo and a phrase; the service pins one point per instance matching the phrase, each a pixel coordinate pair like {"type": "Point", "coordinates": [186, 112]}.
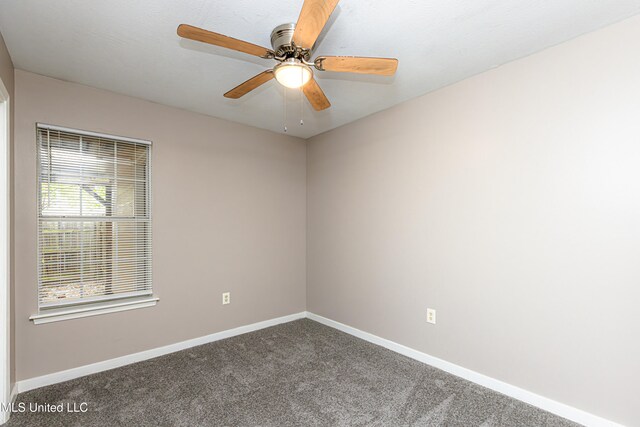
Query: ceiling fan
{"type": "Point", "coordinates": [292, 46]}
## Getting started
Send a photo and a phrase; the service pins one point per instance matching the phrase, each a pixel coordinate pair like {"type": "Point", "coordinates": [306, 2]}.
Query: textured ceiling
{"type": "Point", "coordinates": [131, 47]}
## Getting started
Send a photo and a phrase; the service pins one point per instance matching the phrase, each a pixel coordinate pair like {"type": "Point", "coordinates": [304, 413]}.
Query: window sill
{"type": "Point", "coordinates": [60, 314]}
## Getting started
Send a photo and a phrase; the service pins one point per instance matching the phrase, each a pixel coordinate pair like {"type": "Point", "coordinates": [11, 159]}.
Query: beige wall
{"type": "Point", "coordinates": [6, 75]}
{"type": "Point", "coordinates": [228, 215]}
{"type": "Point", "coordinates": [509, 202]}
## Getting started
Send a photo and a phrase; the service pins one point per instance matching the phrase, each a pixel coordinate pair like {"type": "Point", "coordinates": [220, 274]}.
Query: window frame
{"type": "Point", "coordinates": [98, 305]}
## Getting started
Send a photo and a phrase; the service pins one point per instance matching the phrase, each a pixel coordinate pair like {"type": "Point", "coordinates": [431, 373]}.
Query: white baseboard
{"type": "Point", "coordinates": [549, 405]}
{"type": "Point", "coordinates": [14, 393]}
{"type": "Point", "coordinates": [531, 398]}
{"type": "Point", "coordinates": [58, 377]}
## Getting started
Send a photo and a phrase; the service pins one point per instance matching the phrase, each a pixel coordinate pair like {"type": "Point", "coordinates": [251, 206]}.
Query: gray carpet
{"type": "Point", "coordinates": [296, 374]}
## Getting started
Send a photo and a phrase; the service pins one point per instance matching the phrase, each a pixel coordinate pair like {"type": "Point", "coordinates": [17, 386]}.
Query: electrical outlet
{"type": "Point", "coordinates": [431, 316]}
{"type": "Point", "coordinates": [226, 298]}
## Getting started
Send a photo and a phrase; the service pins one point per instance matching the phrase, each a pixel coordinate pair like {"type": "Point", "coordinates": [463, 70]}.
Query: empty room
{"type": "Point", "coordinates": [320, 213]}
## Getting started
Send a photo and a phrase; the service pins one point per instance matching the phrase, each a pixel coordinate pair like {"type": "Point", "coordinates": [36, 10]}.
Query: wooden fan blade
{"type": "Point", "coordinates": [249, 85]}
{"type": "Point", "coordinates": [313, 17]}
{"type": "Point", "coordinates": [315, 95]}
{"type": "Point", "coordinates": [357, 64]}
{"type": "Point", "coordinates": [198, 34]}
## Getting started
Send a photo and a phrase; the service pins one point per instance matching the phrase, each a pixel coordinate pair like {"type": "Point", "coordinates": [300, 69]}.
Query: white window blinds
{"type": "Point", "coordinates": [94, 219]}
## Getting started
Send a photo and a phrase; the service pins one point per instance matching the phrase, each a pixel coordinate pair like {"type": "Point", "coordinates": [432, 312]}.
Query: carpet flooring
{"type": "Point", "coordinates": [300, 373]}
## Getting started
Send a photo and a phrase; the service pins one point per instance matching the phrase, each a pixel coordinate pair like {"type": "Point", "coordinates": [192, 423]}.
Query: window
{"type": "Point", "coordinates": [94, 219]}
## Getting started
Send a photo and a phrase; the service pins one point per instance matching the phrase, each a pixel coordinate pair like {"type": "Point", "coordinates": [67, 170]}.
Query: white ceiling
{"type": "Point", "coordinates": [131, 47]}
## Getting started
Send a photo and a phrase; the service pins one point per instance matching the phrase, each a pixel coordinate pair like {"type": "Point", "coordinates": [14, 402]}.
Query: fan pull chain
{"type": "Point", "coordinates": [285, 109]}
{"type": "Point", "coordinates": [301, 102]}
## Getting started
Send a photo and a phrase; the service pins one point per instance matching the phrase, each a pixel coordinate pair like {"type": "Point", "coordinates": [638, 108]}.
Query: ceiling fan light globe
{"type": "Point", "coordinates": [292, 75]}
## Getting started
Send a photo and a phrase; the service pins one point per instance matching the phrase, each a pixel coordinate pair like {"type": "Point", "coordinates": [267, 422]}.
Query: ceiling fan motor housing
{"type": "Point", "coordinates": [282, 43]}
